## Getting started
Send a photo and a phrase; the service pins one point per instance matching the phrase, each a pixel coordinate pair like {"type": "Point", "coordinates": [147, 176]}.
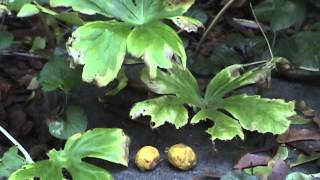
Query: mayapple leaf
{"type": "Point", "coordinates": [28, 10]}
{"type": "Point", "coordinates": [175, 81]}
{"type": "Point", "coordinates": [162, 109]}
{"type": "Point", "coordinates": [186, 23]}
{"type": "Point", "coordinates": [281, 14]}
{"type": "Point", "coordinates": [84, 6]}
{"type": "Point", "coordinates": [75, 122]}
{"type": "Point", "coordinates": [156, 43]}
{"type": "Point", "coordinates": [57, 74]}
{"type": "Point", "coordinates": [136, 12]}
{"type": "Point", "coordinates": [45, 169]}
{"type": "Point", "coordinates": [225, 127]}
{"type": "Point", "coordinates": [230, 79]}
{"type": "Point", "coordinates": [100, 46]}
{"type": "Point", "coordinates": [261, 114]}
{"type": "Point", "coordinates": [102, 143]}
{"type": "Point", "coordinates": [10, 162]}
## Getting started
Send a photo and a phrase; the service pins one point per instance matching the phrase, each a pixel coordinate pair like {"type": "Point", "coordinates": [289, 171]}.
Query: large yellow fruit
{"type": "Point", "coordinates": [182, 157]}
{"type": "Point", "coordinates": [147, 158]}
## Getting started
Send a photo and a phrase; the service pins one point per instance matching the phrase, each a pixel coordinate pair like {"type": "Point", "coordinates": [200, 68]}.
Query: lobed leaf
{"type": "Point", "coordinates": [176, 81]}
{"type": "Point", "coordinates": [107, 144]}
{"type": "Point", "coordinates": [135, 12]}
{"type": "Point", "coordinates": [101, 47]}
{"type": "Point", "coordinates": [225, 127]}
{"type": "Point", "coordinates": [261, 114]}
{"type": "Point", "coordinates": [162, 109]}
{"type": "Point", "coordinates": [10, 162]}
{"type": "Point", "coordinates": [156, 43]}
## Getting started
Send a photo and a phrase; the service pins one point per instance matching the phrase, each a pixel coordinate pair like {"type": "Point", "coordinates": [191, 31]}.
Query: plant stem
{"type": "Point", "coordinates": [212, 24]}
{"type": "Point", "coordinates": [254, 63]}
{"type": "Point", "coordinates": [23, 151]}
{"type": "Point", "coordinates": [261, 29]}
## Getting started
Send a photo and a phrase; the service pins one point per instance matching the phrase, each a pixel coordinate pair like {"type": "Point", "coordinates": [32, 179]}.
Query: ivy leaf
{"type": "Point", "coordinates": [57, 74]}
{"type": "Point", "coordinates": [107, 144]}
{"type": "Point", "coordinates": [176, 81]}
{"type": "Point", "coordinates": [261, 114]}
{"type": "Point", "coordinates": [28, 10]}
{"type": "Point", "coordinates": [10, 162]}
{"type": "Point", "coordinates": [225, 127]}
{"type": "Point", "coordinates": [75, 122]}
{"type": "Point", "coordinates": [100, 46]}
{"type": "Point", "coordinates": [186, 23]}
{"type": "Point", "coordinates": [133, 12]}
{"type": "Point", "coordinates": [281, 14]}
{"type": "Point", "coordinates": [6, 39]}
{"type": "Point", "coordinates": [162, 109]}
{"type": "Point", "coordinates": [302, 49]}
{"type": "Point", "coordinates": [156, 42]}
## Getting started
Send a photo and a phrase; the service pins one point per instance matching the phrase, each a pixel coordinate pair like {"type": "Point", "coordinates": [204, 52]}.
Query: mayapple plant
{"type": "Point", "coordinates": [136, 27]}
{"type": "Point", "coordinates": [230, 114]}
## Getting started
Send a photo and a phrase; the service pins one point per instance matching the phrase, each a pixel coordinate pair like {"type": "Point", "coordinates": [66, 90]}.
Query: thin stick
{"type": "Point", "coordinates": [23, 151]}
{"type": "Point", "coordinates": [261, 29]}
{"type": "Point", "coordinates": [212, 24]}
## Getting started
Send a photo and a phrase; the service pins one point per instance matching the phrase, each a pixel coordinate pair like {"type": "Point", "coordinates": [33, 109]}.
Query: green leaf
{"type": "Point", "coordinates": [28, 10]}
{"type": "Point", "coordinates": [176, 81]}
{"type": "Point", "coordinates": [261, 114]}
{"type": "Point", "coordinates": [16, 5]}
{"type": "Point", "coordinates": [221, 57]}
{"type": "Point", "coordinates": [156, 43]}
{"type": "Point", "coordinates": [6, 39]}
{"type": "Point", "coordinates": [107, 144]}
{"type": "Point", "coordinates": [225, 127]}
{"type": "Point", "coordinates": [302, 49]}
{"type": "Point", "coordinates": [10, 162]}
{"type": "Point", "coordinates": [187, 23]}
{"type": "Point", "coordinates": [260, 171]}
{"type": "Point", "coordinates": [282, 154]}
{"type": "Point", "coordinates": [100, 46]}
{"type": "Point", "coordinates": [302, 159]}
{"type": "Point", "coordinates": [122, 83]}
{"type": "Point", "coordinates": [227, 80]}
{"type": "Point", "coordinates": [57, 74]}
{"type": "Point", "coordinates": [302, 176]}
{"type": "Point", "coordinates": [230, 79]}
{"type": "Point", "coordinates": [75, 122]}
{"type": "Point", "coordinates": [38, 43]}
{"type": "Point", "coordinates": [281, 14]}
{"type": "Point", "coordinates": [133, 12]}
{"type": "Point", "coordinates": [162, 109]}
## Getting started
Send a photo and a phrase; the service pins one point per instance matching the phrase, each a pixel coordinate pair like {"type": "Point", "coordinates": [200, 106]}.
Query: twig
{"type": "Point", "coordinates": [212, 24]}
{"type": "Point", "coordinates": [24, 54]}
{"type": "Point", "coordinates": [23, 151]}
{"type": "Point", "coordinates": [261, 29]}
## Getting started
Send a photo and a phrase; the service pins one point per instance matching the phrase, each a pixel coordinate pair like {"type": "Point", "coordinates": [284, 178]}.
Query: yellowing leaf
{"type": "Point", "coordinates": [162, 109]}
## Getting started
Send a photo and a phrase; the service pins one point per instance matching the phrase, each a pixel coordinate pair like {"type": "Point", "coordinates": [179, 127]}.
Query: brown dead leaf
{"type": "Point", "coordinates": [295, 134]}
{"type": "Point", "coordinates": [251, 160]}
{"type": "Point", "coordinates": [279, 171]}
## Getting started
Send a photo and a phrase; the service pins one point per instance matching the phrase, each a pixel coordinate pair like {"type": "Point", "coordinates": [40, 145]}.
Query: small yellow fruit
{"type": "Point", "coordinates": [182, 157]}
{"type": "Point", "coordinates": [147, 158]}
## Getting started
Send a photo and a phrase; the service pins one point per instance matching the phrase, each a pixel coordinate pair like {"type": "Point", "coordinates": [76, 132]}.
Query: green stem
{"type": "Point", "coordinates": [23, 151]}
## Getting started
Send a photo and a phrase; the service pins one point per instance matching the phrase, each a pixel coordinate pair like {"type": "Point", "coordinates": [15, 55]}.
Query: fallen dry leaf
{"type": "Point", "coordinates": [296, 134]}
{"type": "Point", "coordinates": [251, 160]}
